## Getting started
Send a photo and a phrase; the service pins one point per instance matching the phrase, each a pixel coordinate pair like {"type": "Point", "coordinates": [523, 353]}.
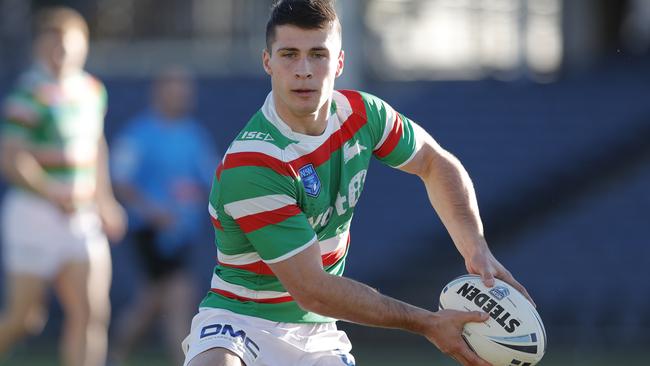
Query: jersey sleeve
{"type": "Point", "coordinates": [262, 202]}
{"type": "Point", "coordinates": [395, 138]}
{"type": "Point", "coordinates": [21, 115]}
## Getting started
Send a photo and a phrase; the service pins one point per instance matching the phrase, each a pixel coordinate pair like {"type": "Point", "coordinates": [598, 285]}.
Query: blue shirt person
{"type": "Point", "coordinates": [163, 164]}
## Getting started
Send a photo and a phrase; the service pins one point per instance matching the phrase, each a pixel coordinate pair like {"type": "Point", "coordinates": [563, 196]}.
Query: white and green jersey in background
{"type": "Point", "coordinates": [277, 192]}
{"type": "Point", "coordinates": [61, 123]}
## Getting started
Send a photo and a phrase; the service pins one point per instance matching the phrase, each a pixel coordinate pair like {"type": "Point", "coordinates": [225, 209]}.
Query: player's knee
{"type": "Point", "coordinates": [216, 357]}
{"type": "Point", "coordinates": [78, 315]}
{"type": "Point", "coordinates": [99, 314]}
{"type": "Point", "coordinates": [17, 326]}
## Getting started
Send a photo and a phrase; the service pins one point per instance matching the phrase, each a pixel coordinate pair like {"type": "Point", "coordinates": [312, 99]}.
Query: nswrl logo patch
{"type": "Point", "coordinates": [500, 292]}
{"type": "Point", "coordinates": [310, 180]}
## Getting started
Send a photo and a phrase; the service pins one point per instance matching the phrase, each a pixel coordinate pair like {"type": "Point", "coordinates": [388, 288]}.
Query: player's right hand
{"type": "Point", "coordinates": [445, 332]}
{"type": "Point", "coordinates": [67, 196]}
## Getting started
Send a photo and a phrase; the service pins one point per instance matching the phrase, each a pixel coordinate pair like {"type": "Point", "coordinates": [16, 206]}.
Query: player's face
{"type": "Point", "coordinates": [303, 65]}
{"type": "Point", "coordinates": [175, 96]}
{"type": "Point", "coordinates": [63, 50]}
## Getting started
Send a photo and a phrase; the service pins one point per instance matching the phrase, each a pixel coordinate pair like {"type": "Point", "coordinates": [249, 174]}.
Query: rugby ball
{"type": "Point", "coordinates": [514, 334]}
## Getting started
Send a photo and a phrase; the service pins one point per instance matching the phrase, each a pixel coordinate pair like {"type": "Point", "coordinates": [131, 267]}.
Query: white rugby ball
{"type": "Point", "coordinates": [514, 334]}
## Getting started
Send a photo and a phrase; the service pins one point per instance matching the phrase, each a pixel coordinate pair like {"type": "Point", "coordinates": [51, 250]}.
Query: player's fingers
{"type": "Point", "coordinates": [487, 277]}
{"type": "Point", "coordinates": [473, 316]}
{"type": "Point", "coordinates": [524, 292]}
{"type": "Point", "coordinates": [470, 358]}
{"type": "Point", "coordinates": [514, 283]}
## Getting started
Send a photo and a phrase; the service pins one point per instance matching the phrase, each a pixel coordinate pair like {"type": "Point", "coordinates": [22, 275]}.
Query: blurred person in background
{"type": "Point", "coordinates": [164, 163]}
{"type": "Point", "coordinates": [60, 207]}
{"type": "Point", "coordinates": [282, 202]}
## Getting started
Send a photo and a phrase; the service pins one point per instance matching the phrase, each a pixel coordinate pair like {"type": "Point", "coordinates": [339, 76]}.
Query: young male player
{"type": "Point", "coordinates": [283, 199]}
{"type": "Point", "coordinates": [60, 206]}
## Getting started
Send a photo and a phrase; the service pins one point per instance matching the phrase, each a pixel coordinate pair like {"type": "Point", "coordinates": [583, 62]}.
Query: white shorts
{"type": "Point", "coordinates": [38, 238]}
{"type": "Point", "coordinates": [260, 342]}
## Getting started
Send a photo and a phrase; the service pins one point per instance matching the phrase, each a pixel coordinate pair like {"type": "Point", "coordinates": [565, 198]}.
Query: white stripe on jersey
{"type": "Point", "coordinates": [251, 206]}
{"type": "Point", "coordinates": [334, 243]}
{"type": "Point", "coordinates": [326, 246]}
{"type": "Point", "coordinates": [343, 107]}
{"type": "Point", "coordinates": [238, 259]}
{"type": "Point", "coordinates": [263, 147]}
{"type": "Point", "coordinates": [391, 119]}
{"type": "Point", "coordinates": [212, 211]}
{"type": "Point", "coordinates": [218, 283]}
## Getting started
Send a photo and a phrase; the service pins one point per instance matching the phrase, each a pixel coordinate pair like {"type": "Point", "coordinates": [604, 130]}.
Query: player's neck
{"type": "Point", "coordinates": [59, 74]}
{"type": "Point", "coordinates": [312, 124]}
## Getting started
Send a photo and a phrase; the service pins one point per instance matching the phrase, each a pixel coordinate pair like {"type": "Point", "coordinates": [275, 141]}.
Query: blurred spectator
{"type": "Point", "coordinates": [54, 155]}
{"type": "Point", "coordinates": [163, 164]}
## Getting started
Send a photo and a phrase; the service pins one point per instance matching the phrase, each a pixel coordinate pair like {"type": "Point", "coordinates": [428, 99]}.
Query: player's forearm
{"type": "Point", "coordinates": [346, 299]}
{"type": "Point", "coordinates": [22, 169]}
{"type": "Point", "coordinates": [452, 194]}
{"type": "Point", "coordinates": [104, 192]}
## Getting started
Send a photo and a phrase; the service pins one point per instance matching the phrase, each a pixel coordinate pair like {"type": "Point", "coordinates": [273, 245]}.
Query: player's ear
{"type": "Point", "coordinates": [340, 63]}
{"type": "Point", "coordinates": [266, 59]}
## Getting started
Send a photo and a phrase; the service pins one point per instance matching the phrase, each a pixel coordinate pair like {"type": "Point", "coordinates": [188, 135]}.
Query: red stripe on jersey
{"type": "Point", "coordinates": [218, 172]}
{"type": "Point", "coordinates": [392, 140]}
{"type": "Point", "coordinates": [235, 160]}
{"type": "Point", "coordinates": [333, 257]}
{"type": "Point", "coordinates": [262, 268]}
{"type": "Point", "coordinates": [258, 267]}
{"type": "Point", "coordinates": [353, 124]}
{"type": "Point", "coordinates": [230, 295]}
{"type": "Point", "coordinates": [216, 223]}
{"type": "Point", "coordinates": [259, 220]}
{"type": "Point", "coordinates": [356, 101]}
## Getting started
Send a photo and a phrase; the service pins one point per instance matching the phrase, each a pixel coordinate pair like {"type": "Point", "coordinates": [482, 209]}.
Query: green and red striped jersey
{"type": "Point", "coordinates": [60, 122]}
{"type": "Point", "coordinates": [276, 192]}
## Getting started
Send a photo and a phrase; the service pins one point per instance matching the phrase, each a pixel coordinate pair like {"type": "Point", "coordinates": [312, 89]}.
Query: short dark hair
{"type": "Point", "coordinates": [58, 18]}
{"type": "Point", "coordinates": [306, 14]}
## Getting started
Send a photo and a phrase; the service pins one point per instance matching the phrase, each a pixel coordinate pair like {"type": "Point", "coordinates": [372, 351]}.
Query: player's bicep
{"type": "Point", "coordinates": [427, 150]}
{"type": "Point", "coordinates": [20, 116]}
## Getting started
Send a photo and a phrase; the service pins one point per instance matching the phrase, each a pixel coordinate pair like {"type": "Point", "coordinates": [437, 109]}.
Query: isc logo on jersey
{"type": "Point", "coordinates": [344, 201]}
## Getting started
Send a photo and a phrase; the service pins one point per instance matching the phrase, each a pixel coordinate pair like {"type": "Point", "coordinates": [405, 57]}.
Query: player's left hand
{"type": "Point", "coordinates": [484, 264]}
{"type": "Point", "coordinates": [113, 218]}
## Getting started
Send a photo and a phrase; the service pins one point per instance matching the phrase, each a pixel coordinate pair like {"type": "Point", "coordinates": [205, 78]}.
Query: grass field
{"type": "Point", "coordinates": [368, 354]}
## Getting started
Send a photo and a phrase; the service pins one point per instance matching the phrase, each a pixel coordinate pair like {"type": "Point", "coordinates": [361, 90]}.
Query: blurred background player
{"type": "Point", "coordinates": [60, 204]}
{"type": "Point", "coordinates": [163, 164]}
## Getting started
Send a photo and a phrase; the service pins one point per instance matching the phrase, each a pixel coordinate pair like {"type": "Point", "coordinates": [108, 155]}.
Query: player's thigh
{"type": "Point", "coordinates": [99, 276]}
{"type": "Point", "coordinates": [84, 278]}
{"type": "Point", "coordinates": [216, 357]}
{"type": "Point", "coordinates": [72, 289]}
{"type": "Point", "coordinates": [25, 294]}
